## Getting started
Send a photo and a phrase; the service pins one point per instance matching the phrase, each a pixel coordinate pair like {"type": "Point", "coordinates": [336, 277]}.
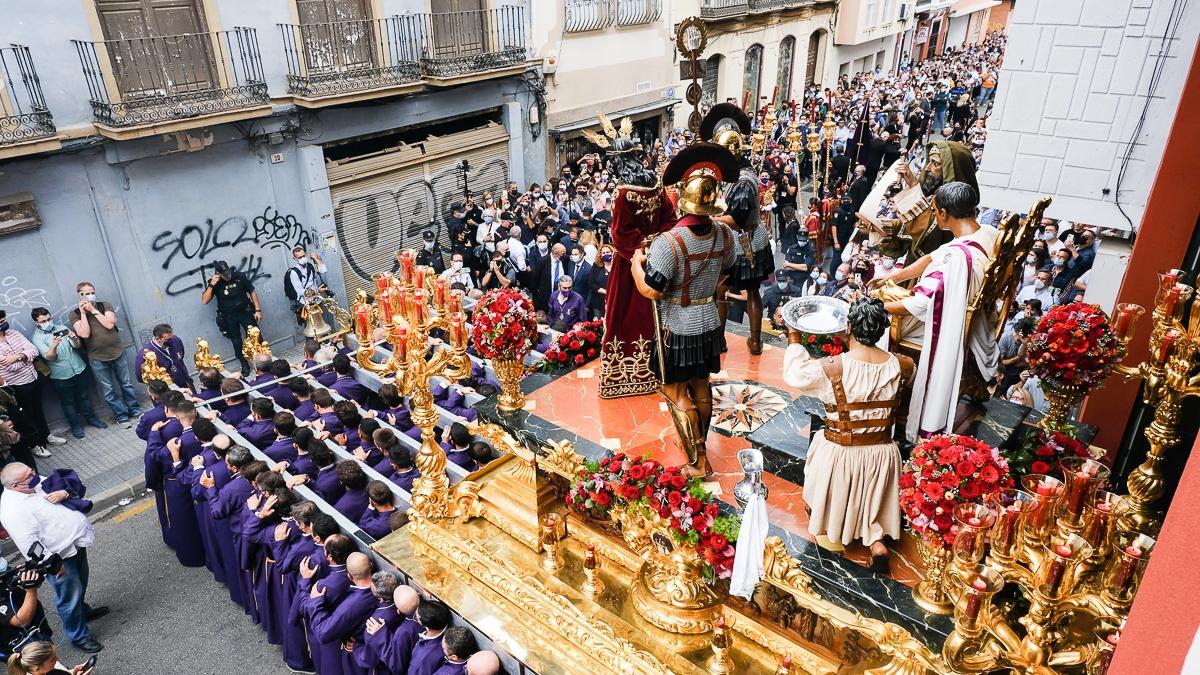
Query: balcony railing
{"type": "Point", "coordinates": [473, 41]}
{"type": "Point", "coordinates": [343, 57]}
{"type": "Point", "coordinates": [586, 15]}
{"type": "Point", "coordinates": [136, 81]}
{"type": "Point", "coordinates": [720, 9]}
{"type": "Point", "coordinates": [635, 12]}
{"type": "Point", "coordinates": [768, 5]}
{"type": "Point", "coordinates": [23, 112]}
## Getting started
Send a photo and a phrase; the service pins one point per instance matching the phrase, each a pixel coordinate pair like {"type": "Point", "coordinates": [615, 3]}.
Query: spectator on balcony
{"type": "Point", "coordinates": [96, 324]}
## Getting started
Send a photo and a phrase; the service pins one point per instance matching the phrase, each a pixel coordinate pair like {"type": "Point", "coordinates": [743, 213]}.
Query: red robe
{"type": "Point", "coordinates": [628, 317]}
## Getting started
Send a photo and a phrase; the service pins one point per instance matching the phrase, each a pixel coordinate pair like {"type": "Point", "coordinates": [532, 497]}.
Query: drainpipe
{"type": "Point", "coordinates": [112, 263]}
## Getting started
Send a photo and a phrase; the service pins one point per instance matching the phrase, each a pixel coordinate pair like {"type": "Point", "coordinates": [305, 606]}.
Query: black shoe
{"type": "Point", "coordinates": [90, 646]}
{"type": "Point", "coordinates": [95, 613]}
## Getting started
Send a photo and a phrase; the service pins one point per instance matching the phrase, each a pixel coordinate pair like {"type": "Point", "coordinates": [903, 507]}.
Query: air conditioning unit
{"type": "Point", "coordinates": [903, 12]}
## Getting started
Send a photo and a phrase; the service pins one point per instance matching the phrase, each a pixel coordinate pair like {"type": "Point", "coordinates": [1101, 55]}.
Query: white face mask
{"type": "Point", "coordinates": [1059, 262]}
{"type": "Point", "coordinates": [456, 265]}
{"type": "Point", "coordinates": [542, 246]}
{"type": "Point", "coordinates": [822, 281]}
{"type": "Point", "coordinates": [490, 246]}
{"type": "Point", "coordinates": [888, 264]}
{"type": "Point", "coordinates": [1038, 284]}
{"type": "Point", "coordinates": [1049, 236]}
{"type": "Point", "coordinates": [1031, 259]}
{"type": "Point", "coordinates": [90, 297]}
{"type": "Point", "coordinates": [576, 258]}
{"type": "Point", "coordinates": [839, 275]}
{"type": "Point", "coordinates": [782, 285]}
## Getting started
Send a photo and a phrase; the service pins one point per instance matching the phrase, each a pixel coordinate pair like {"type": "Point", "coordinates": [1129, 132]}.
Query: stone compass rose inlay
{"type": "Point", "coordinates": [741, 407]}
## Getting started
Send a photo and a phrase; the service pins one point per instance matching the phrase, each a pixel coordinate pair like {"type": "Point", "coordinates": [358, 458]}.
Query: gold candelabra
{"type": "Point", "coordinates": [1170, 376]}
{"type": "Point", "coordinates": [409, 308]}
{"type": "Point", "coordinates": [151, 370]}
{"type": "Point", "coordinates": [828, 129]}
{"type": "Point", "coordinates": [1060, 544]}
{"type": "Point", "coordinates": [204, 358]}
{"type": "Point", "coordinates": [814, 150]}
{"type": "Point", "coordinates": [254, 344]}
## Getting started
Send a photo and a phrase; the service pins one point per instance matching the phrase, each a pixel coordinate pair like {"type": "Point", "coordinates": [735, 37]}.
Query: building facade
{"type": "Point", "coordinates": [866, 35]}
{"type": "Point", "coordinates": [603, 56]}
{"type": "Point", "coordinates": [141, 144]}
{"type": "Point", "coordinates": [759, 49]}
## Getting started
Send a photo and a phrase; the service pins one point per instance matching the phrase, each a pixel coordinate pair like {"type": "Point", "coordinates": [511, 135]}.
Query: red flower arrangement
{"type": "Point", "coordinates": [1073, 345]}
{"type": "Point", "coordinates": [820, 345]}
{"type": "Point", "coordinates": [503, 325]}
{"type": "Point", "coordinates": [575, 347]}
{"type": "Point", "coordinates": [653, 489]}
{"type": "Point", "coordinates": [943, 472]}
{"type": "Point", "coordinates": [1042, 451]}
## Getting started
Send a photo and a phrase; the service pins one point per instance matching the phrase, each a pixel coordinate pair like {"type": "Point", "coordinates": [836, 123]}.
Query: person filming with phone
{"type": "Point", "coordinates": [63, 352]}
{"type": "Point", "coordinates": [41, 658]}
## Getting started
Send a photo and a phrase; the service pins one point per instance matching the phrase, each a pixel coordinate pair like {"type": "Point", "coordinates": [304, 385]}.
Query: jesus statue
{"type": "Point", "coordinates": [956, 358]}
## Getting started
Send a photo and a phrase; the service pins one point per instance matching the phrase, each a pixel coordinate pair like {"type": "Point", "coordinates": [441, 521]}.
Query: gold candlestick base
{"type": "Point", "coordinates": [551, 560]}
{"type": "Point", "coordinates": [593, 587]}
{"type": "Point", "coordinates": [509, 373]}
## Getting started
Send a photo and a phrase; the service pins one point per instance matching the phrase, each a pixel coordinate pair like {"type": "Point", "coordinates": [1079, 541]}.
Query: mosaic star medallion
{"type": "Point", "coordinates": [741, 407]}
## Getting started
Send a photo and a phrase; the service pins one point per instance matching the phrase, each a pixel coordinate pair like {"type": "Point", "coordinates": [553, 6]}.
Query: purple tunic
{"type": "Point", "coordinates": [337, 590]}
{"type": "Point", "coordinates": [224, 505]}
{"type": "Point", "coordinates": [304, 465]}
{"type": "Point", "coordinates": [349, 388]}
{"type": "Point", "coordinates": [396, 649]}
{"type": "Point", "coordinates": [366, 657]}
{"type": "Point", "coordinates": [170, 357]}
{"type": "Point", "coordinates": [259, 433]}
{"type": "Point", "coordinates": [282, 450]}
{"type": "Point", "coordinates": [427, 655]}
{"type": "Point", "coordinates": [281, 599]}
{"type": "Point", "coordinates": [451, 668]}
{"type": "Point", "coordinates": [332, 424]}
{"type": "Point", "coordinates": [183, 531]}
{"type": "Point", "coordinates": [305, 411]}
{"type": "Point", "coordinates": [352, 504]}
{"type": "Point", "coordinates": [375, 523]}
{"type": "Point", "coordinates": [236, 414]}
{"type": "Point", "coordinates": [327, 485]}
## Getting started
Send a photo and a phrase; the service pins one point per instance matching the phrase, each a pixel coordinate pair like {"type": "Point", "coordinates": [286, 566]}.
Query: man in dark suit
{"type": "Point", "coordinates": [860, 187]}
{"type": "Point", "coordinates": [579, 275]}
{"type": "Point", "coordinates": [839, 166]}
{"type": "Point", "coordinates": [546, 276]}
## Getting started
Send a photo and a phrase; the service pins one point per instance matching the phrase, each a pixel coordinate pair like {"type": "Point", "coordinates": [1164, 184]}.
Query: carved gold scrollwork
{"type": "Point", "coordinates": [561, 459]}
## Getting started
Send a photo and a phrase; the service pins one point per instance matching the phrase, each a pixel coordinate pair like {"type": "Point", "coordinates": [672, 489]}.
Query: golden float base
{"type": "Point", "coordinates": [671, 617]}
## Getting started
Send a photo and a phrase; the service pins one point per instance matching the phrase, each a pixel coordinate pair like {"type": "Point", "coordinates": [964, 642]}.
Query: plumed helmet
{"type": "Point", "coordinates": [727, 126]}
{"type": "Point", "coordinates": [699, 170]}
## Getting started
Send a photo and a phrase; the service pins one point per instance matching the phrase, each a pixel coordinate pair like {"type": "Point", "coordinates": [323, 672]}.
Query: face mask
{"type": "Point", "coordinates": [488, 219]}
{"type": "Point", "coordinates": [782, 285]}
{"type": "Point", "coordinates": [33, 482]}
{"type": "Point", "coordinates": [576, 258]}
{"type": "Point", "coordinates": [1049, 236]}
{"type": "Point", "coordinates": [542, 246]}
{"type": "Point", "coordinates": [839, 275]}
{"type": "Point", "coordinates": [822, 281]}
{"type": "Point", "coordinates": [490, 246]}
{"type": "Point", "coordinates": [456, 265]}
{"type": "Point", "coordinates": [429, 246]}
{"type": "Point", "coordinates": [46, 327]}
{"type": "Point", "coordinates": [4, 326]}
{"type": "Point", "coordinates": [90, 297]}
{"type": "Point", "coordinates": [888, 264]}
{"type": "Point", "coordinates": [1030, 259]}
{"type": "Point", "coordinates": [607, 257]}
{"type": "Point", "coordinates": [1038, 284]}
{"type": "Point", "coordinates": [1059, 262]}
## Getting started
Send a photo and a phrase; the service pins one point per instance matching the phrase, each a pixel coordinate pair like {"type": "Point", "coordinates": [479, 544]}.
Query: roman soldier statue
{"type": "Point", "coordinates": [640, 209]}
{"type": "Point", "coordinates": [680, 272]}
{"type": "Point", "coordinates": [726, 125]}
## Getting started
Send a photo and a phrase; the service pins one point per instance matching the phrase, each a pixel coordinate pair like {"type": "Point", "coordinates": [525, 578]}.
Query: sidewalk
{"type": "Point", "coordinates": [108, 461]}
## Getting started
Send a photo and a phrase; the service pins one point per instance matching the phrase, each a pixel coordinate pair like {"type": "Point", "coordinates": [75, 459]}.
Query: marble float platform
{"type": "Point", "coordinates": [567, 407]}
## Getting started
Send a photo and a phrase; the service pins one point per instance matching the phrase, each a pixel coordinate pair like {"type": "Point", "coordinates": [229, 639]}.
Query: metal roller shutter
{"type": "Point", "coordinates": [384, 201]}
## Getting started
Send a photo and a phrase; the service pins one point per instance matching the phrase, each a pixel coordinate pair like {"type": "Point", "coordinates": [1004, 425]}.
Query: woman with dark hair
{"type": "Point", "coordinates": [852, 475]}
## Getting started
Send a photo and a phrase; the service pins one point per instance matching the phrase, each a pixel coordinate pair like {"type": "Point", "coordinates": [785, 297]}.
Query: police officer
{"type": "Point", "coordinates": [778, 294]}
{"type": "Point", "coordinates": [237, 306]}
{"type": "Point", "coordinates": [799, 259]}
{"type": "Point", "coordinates": [430, 254]}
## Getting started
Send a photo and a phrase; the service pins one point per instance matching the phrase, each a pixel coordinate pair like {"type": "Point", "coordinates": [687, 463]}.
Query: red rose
{"type": "Point", "coordinates": [989, 474]}
{"type": "Point", "coordinates": [969, 490]}
{"type": "Point", "coordinates": [576, 344]}
{"type": "Point", "coordinates": [648, 492]}
{"type": "Point", "coordinates": [637, 472]}
{"type": "Point", "coordinates": [675, 498]}
{"type": "Point", "coordinates": [562, 341]}
{"type": "Point", "coordinates": [933, 490]}
{"type": "Point", "coordinates": [965, 469]}
{"type": "Point", "coordinates": [718, 542]}
{"type": "Point", "coordinates": [928, 508]}
{"type": "Point", "coordinates": [664, 512]}
{"type": "Point", "coordinates": [698, 522]}
{"type": "Point", "coordinates": [943, 521]}
{"type": "Point", "coordinates": [1044, 451]}
{"type": "Point", "coordinates": [591, 353]}
{"type": "Point", "coordinates": [579, 359]}
{"type": "Point", "coordinates": [678, 482]}
{"type": "Point", "coordinates": [602, 498]}
{"type": "Point", "coordinates": [907, 480]}
{"type": "Point", "coordinates": [562, 357]}
{"type": "Point", "coordinates": [693, 504]}
{"type": "Point", "coordinates": [1039, 467]}
{"type": "Point", "coordinates": [711, 510]}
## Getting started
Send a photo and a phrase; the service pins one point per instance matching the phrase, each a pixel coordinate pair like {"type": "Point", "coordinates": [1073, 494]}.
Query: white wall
{"type": "Point", "coordinates": [956, 34]}
{"type": "Point", "coordinates": [852, 53]}
{"type": "Point", "coordinates": [1072, 88]}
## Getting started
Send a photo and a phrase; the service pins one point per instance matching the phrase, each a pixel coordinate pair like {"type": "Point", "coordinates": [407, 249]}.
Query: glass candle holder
{"type": "Point", "coordinates": [407, 263]}
{"type": "Point", "coordinates": [362, 325]}
{"type": "Point", "coordinates": [978, 585]}
{"type": "Point", "coordinates": [382, 281]}
{"type": "Point", "coordinates": [1126, 318]}
{"type": "Point", "coordinates": [1046, 492]}
{"type": "Point", "coordinates": [973, 521]}
{"type": "Point", "coordinates": [1056, 575]}
{"type": "Point", "coordinates": [1131, 553]}
{"type": "Point", "coordinates": [1009, 506]}
{"type": "Point", "coordinates": [1083, 477]}
{"type": "Point", "coordinates": [1107, 638]}
{"type": "Point", "coordinates": [1098, 531]}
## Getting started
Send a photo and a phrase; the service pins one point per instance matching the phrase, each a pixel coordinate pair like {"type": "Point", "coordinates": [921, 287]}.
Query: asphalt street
{"type": "Point", "coordinates": [165, 618]}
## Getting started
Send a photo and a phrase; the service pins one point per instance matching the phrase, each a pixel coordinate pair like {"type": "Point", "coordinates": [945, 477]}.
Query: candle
{"type": "Point", "coordinates": [400, 302]}
{"type": "Point", "coordinates": [1084, 483]}
{"type": "Point", "coordinates": [1104, 659]}
{"type": "Point", "coordinates": [419, 276]}
{"type": "Point", "coordinates": [1006, 529]}
{"type": "Point", "coordinates": [458, 332]}
{"type": "Point", "coordinates": [1169, 278]}
{"type": "Point", "coordinates": [406, 266]}
{"type": "Point", "coordinates": [1058, 565]}
{"type": "Point", "coordinates": [1124, 574]}
{"type": "Point", "coordinates": [362, 321]}
{"type": "Point", "coordinates": [401, 344]}
{"type": "Point", "coordinates": [418, 306]}
{"type": "Point", "coordinates": [1166, 345]}
{"type": "Point", "coordinates": [456, 302]}
{"type": "Point", "coordinates": [965, 542]}
{"type": "Point", "coordinates": [1126, 313]}
{"type": "Point", "coordinates": [589, 560]}
{"type": "Point", "coordinates": [1172, 300]}
{"type": "Point", "coordinates": [440, 288]}
{"type": "Point", "coordinates": [975, 598]}
{"type": "Point", "coordinates": [1096, 532]}
{"type": "Point", "coordinates": [382, 281]}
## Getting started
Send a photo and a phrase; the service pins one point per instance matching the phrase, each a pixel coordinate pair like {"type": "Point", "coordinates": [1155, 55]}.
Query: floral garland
{"type": "Point", "coordinates": [1073, 345]}
{"type": "Point", "coordinates": [574, 348]}
{"type": "Point", "coordinates": [504, 325]}
{"type": "Point", "coordinates": [820, 345]}
{"type": "Point", "coordinates": [943, 472]}
{"type": "Point", "coordinates": [647, 486]}
{"type": "Point", "coordinates": [1043, 449]}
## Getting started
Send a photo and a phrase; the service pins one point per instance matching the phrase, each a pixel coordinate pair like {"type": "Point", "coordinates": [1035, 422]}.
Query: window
{"type": "Point", "coordinates": [752, 80]}
{"type": "Point", "coordinates": [712, 74]}
{"type": "Point", "coordinates": [886, 11]}
{"type": "Point", "coordinates": [783, 79]}
{"type": "Point", "coordinates": [868, 17]}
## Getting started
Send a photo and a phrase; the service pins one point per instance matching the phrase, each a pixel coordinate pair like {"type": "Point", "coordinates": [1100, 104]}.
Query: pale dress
{"type": "Point", "coordinates": [854, 492]}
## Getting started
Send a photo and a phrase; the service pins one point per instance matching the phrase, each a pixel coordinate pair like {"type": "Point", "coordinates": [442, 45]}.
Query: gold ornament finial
{"type": "Point", "coordinates": [151, 370]}
{"type": "Point", "coordinates": [204, 358]}
{"type": "Point", "coordinates": [254, 344]}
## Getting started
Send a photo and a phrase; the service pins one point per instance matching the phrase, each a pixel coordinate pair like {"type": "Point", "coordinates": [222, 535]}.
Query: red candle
{"type": "Point", "coordinates": [400, 303]}
{"type": "Point", "coordinates": [456, 301]}
{"type": "Point", "coordinates": [1167, 345]}
{"type": "Point", "coordinates": [401, 347]}
{"type": "Point", "coordinates": [1058, 565]}
{"type": "Point", "coordinates": [589, 560]}
{"type": "Point", "coordinates": [1083, 484]}
{"type": "Point", "coordinates": [1006, 528]}
{"type": "Point", "coordinates": [406, 266]}
{"type": "Point", "coordinates": [1169, 278]}
{"type": "Point", "coordinates": [440, 288]}
{"type": "Point", "coordinates": [458, 331]}
{"type": "Point", "coordinates": [1172, 300]}
{"type": "Point", "coordinates": [419, 276]}
{"type": "Point", "coordinates": [363, 324]}
{"type": "Point", "coordinates": [965, 542]}
{"type": "Point", "coordinates": [1124, 575]}
{"type": "Point", "coordinates": [418, 306]}
{"type": "Point", "coordinates": [975, 599]}
{"type": "Point", "coordinates": [382, 281]}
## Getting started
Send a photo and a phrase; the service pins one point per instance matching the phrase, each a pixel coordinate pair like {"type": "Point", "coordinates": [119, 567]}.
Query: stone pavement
{"type": "Point", "coordinates": [108, 461]}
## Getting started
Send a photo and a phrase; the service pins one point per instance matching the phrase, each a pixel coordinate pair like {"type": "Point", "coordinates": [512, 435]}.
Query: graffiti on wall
{"type": "Point", "coordinates": [18, 300]}
{"type": "Point", "coordinates": [419, 205]}
{"type": "Point", "coordinates": [191, 251]}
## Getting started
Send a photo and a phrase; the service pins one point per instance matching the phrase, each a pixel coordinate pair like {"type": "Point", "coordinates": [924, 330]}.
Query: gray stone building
{"type": "Point", "coordinates": [141, 141]}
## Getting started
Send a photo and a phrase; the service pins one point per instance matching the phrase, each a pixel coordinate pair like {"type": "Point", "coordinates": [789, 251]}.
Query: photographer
{"type": "Point", "coordinates": [237, 306]}
{"type": "Point", "coordinates": [37, 520]}
{"type": "Point", "coordinates": [22, 618]}
{"type": "Point", "coordinates": [500, 273]}
{"type": "Point", "coordinates": [62, 350]}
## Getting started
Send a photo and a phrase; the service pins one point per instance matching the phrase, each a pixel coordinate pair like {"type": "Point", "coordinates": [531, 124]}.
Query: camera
{"type": "Point", "coordinates": [36, 561]}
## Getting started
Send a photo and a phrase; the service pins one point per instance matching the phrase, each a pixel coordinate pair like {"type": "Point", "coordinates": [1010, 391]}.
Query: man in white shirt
{"type": "Point", "coordinates": [33, 517]}
{"type": "Point", "coordinates": [516, 249]}
{"type": "Point", "coordinates": [1040, 290]}
{"type": "Point", "coordinates": [456, 273]}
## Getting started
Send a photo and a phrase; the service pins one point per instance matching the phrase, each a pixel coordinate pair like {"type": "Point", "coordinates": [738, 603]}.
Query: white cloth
{"type": "Point", "coordinates": [31, 518]}
{"type": "Point", "coordinates": [940, 299]}
{"type": "Point", "coordinates": [748, 558]}
{"type": "Point", "coordinates": [516, 253]}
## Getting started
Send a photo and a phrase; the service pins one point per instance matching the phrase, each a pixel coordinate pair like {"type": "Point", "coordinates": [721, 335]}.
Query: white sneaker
{"type": "Point", "coordinates": [124, 424]}
{"type": "Point", "coordinates": [55, 440]}
{"type": "Point", "coordinates": [41, 451]}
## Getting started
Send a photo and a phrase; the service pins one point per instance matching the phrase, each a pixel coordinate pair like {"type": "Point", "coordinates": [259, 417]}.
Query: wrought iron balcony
{"type": "Point", "coordinates": [342, 57]}
{"type": "Point", "coordinates": [723, 9]}
{"type": "Point", "coordinates": [635, 12]}
{"type": "Point", "coordinates": [150, 80]}
{"type": "Point", "coordinates": [474, 41]}
{"type": "Point", "coordinates": [586, 15]}
{"type": "Point", "coordinates": [768, 5]}
{"type": "Point", "coordinates": [23, 112]}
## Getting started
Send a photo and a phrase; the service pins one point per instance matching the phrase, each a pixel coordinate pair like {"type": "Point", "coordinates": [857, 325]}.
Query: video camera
{"type": "Point", "coordinates": [36, 561]}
